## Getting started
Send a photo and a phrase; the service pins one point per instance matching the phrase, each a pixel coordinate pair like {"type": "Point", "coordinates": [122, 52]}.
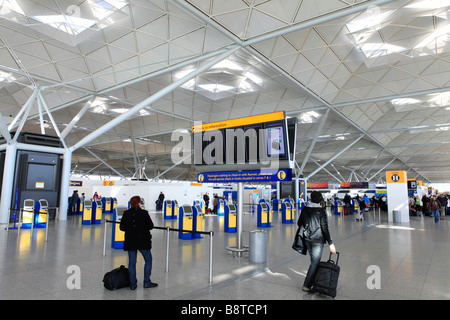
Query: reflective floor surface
{"type": "Point", "coordinates": [378, 260]}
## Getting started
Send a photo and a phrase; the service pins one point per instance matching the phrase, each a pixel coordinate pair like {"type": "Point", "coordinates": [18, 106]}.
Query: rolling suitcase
{"type": "Point", "coordinates": [117, 278]}
{"type": "Point", "coordinates": [326, 278]}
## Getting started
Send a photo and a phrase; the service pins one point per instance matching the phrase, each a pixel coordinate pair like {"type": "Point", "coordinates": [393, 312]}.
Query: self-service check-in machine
{"type": "Point", "coordinates": [41, 213]}
{"type": "Point", "coordinates": [80, 206]}
{"type": "Point", "coordinates": [276, 205]}
{"type": "Point", "coordinates": [117, 235]}
{"type": "Point", "coordinates": [96, 211]}
{"type": "Point", "coordinates": [264, 219]}
{"type": "Point", "coordinates": [338, 207]}
{"type": "Point", "coordinates": [355, 205]}
{"type": "Point", "coordinates": [198, 216]}
{"type": "Point", "coordinates": [301, 203]}
{"type": "Point", "coordinates": [86, 218]}
{"type": "Point", "coordinates": [27, 213]}
{"type": "Point", "coordinates": [106, 205]}
{"type": "Point", "coordinates": [175, 209]}
{"type": "Point", "coordinates": [185, 221]}
{"type": "Point", "coordinates": [114, 203]}
{"type": "Point", "coordinates": [221, 207]}
{"type": "Point", "coordinates": [230, 218]}
{"type": "Point", "coordinates": [168, 209]}
{"type": "Point", "coordinates": [287, 212]}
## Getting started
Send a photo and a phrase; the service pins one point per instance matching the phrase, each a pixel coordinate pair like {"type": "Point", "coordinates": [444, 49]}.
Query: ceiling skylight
{"type": "Point", "coordinates": [434, 100]}
{"type": "Point", "coordinates": [65, 21]}
{"type": "Point", "coordinates": [386, 36]}
{"type": "Point", "coordinates": [224, 78]}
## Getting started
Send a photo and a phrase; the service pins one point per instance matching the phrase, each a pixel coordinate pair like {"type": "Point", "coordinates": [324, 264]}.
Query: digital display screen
{"type": "Point", "coordinates": [87, 203]}
{"type": "Point", "coordinates": [44, 203]}
{"type": "Point", "coordinates": [29, 203]}
{"type": "Point", "coordinates": [275, 141]}
{"type": "Point", "coordinates": [187, 209]}
{"type": "Point", "coordinates": [232, 207]}
{"type": "Point", "coordinates": [263, 206]}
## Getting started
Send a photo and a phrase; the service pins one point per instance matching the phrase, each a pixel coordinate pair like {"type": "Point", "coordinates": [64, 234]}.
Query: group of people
{"type": "Point", "coordinates": [215, 203]}
{"type": "Point", "coordinates": [432, 206]}
{"type": "Point", "coordinates": [137, 224]}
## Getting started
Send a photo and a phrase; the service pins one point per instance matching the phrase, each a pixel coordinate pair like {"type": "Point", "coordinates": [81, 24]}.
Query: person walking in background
{"type": "Point", "coordinates": [313, 225]}
{"type": "Point", "coordinates": [136, 223]}
{"type": "Point", "coordinates": [435, 206]}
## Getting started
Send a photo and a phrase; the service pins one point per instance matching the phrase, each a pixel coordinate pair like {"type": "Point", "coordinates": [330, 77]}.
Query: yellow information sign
{"type": "Point", "coordinates": [396, 177]}
{"type": "Point", "coordinates": [261, 118]}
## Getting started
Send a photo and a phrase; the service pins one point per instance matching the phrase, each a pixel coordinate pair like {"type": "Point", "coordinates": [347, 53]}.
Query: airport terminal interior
{"type": "Point", "coordinates": [224, 117]}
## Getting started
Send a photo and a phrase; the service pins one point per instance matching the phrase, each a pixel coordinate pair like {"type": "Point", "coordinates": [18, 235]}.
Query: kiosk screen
{"type": "Point", "coordinates": [187, 209]}
{"type": "Point", "coordinates": [232, 207]}
{"type": "Point", "coordinates": [263, 206]}
{"type": "Point", "coordinates": [29, 203]}
{"type": "Point", "coordinates": [87, 203]}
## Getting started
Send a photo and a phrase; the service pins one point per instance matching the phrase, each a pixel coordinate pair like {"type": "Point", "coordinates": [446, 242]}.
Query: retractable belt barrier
{"type": "Point", "coordinates": [168, 229]}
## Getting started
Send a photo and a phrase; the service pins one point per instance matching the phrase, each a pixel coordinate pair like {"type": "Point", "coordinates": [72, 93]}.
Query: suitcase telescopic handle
{"type": "Point", "coordinates": [337, 260]}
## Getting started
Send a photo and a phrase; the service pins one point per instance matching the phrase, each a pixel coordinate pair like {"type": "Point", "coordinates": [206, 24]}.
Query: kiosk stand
{"type": "Point", "coordinates": [27, 213]}
{"type": "Point", "coordinates": [286, 213]}
{"type": "Point", "coordinates": [198, 223]}
{"type": "Point", "coordinates": [41, 213]}
{"type": "Point", "coordinates": [230, 218]}
{"type": "Point", "coordinates": [96, 212]}
{"type": "Point", "coordinates": [168, 209]}
{"type": "Point", "coordinates": [117, 235]}
{"type": "Point", "coordinates": [87, 213]}
{"type": "Point", "coordinates": [106, 205]}
{"type": "Point", "coordinates": [185, 222]}
{"type": "Point", "coordinates": [175, 209]}
{"type": "Point", "coordinates": [264, 219]}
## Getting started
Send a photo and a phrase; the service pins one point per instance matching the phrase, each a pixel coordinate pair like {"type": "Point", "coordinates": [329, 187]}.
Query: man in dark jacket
{"type": "Point", "coordinates": [136, 223]}
{"type": "Point", "coordinates": [313, 225]}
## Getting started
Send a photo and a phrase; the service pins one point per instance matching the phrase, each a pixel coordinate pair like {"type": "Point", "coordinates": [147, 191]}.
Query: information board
{"type": "Point", "coordinates": [246, 176]}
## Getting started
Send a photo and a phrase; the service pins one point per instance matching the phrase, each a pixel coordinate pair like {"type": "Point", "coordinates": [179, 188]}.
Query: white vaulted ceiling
{"type": "Point", "coordinates": [376, 69]}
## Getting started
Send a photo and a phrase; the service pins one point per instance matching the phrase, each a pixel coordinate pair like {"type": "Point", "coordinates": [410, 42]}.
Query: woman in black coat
{"type": "Point", "coordinates": [136, 223]}
{"type": "Point", "coordinates": [313, 224]}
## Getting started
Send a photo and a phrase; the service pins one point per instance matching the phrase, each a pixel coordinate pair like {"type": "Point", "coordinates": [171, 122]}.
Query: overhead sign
{"type": "Point", "coordinates": [246, 176]}
{"type": "Point", "coordinates": [396, 176]}
{"type": "Point", "coordinates": [232, 123]}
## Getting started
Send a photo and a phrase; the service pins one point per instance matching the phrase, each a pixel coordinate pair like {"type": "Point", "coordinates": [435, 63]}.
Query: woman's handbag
{"type": "Point", "coordinates": [299, 244]}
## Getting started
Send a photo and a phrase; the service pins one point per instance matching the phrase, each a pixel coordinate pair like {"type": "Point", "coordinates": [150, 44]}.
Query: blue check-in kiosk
{"type": "Point", "coordinates": [117, 235]}
{"type": "Point", "coordinates": [86, 217]}
{"type": "Point", "coordinates": [230, 225]}
{"type": "Point", "coordinates": [221, 207]}
{"type": "Point", "coordinates": [338, 207]}
{"type": "Point", "coordinates": [355, 205]}
{"type": "Point", "coordinates": [264, 219]}
{"type": "Point", "coordinates": [276, 205]}
{"type": "Point", "coordinates": [106, 205]}
{"type": "Point", "coordinates": [96, 212]}
{"type": "Point", "coordinates": [27, 213]}
{"type": "Point", "coordinates": [301, 203]}
{"type": "Point", "coordinates": [185, 222]}
{"type": "Point", "coordinates": [198, 217]}
{"type": "Point", "coordinates": [80, 206]}
{"type": "Point", "coordinates": [175, 209]}
{"type": "Point", "coordinates": [168, 209]}
{"type": "Point", "coordinates": [40, 213]}
{"type": "Point", "coordinates": [287, 213]}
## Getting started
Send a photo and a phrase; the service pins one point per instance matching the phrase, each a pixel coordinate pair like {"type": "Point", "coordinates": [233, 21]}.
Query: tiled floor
{"type": "Point", "coordinates": [413, 260]}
